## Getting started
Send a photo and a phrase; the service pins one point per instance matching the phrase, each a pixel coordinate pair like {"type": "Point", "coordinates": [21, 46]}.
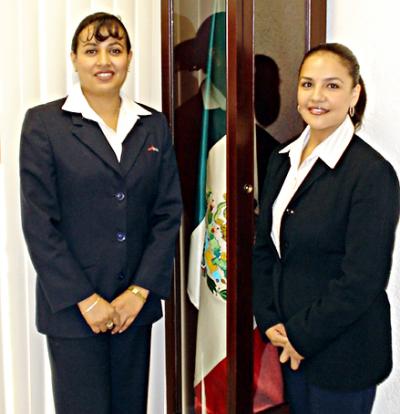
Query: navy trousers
{"type": "Point", "coordinates": [103, 374]}
{"type": "Point", "coordinates": [305, 398]}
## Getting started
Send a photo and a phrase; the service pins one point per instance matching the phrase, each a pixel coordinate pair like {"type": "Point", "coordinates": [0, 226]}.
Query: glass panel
{"type": "Point", "coordinates": [284, 49]}
{"type": "Point", "coordinates": [279, 41]}
{"type": "Point", "coordinates": [200, 142]}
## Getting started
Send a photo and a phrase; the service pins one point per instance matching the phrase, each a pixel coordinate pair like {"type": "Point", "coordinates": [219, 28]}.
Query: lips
{"type": "Point", "coordinates": [316, 110]}
{"type": "Point", "coordinates": [104, 75]}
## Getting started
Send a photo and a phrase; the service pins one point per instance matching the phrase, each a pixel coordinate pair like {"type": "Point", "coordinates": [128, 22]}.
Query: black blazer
{"type": "Point", "coordinates": [92, 224]}
{"type": "Point", "coordinates": [328, 287]}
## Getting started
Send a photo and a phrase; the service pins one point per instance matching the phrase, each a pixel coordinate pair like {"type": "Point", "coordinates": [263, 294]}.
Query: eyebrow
{"type": "Point", "coordinates": [90, 43]}
{"type": "Point", "coordinates": [117, 42]}
{"type": "Point", "coordinates": [325, 79]}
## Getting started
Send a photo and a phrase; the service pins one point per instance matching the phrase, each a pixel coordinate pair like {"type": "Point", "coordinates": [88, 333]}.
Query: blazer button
{"type": "Point", "coordinates": [120, 196]}
{"type": "Point", "coordinates": [289, 211]}
{"type": "Point", "coordinates": [121, 236]}
{"type": "Point", "coordinates": [121, 276]}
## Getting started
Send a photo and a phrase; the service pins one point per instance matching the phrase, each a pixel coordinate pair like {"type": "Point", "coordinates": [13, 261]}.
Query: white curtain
{"type": "Point", "coordinates": [34, 69]}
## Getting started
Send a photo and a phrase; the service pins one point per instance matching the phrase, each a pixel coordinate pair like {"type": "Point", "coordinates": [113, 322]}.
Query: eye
{"type": "Point", "coordinates": [333, 85]}
{"type": "Point", "coordinates": [306, 84]}
{"type": "Point", "coordinates": [115, 51]}
{"type": "Point", "coordinates": [90, 52]}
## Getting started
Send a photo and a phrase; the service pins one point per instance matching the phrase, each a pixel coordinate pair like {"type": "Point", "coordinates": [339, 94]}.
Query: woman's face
{"type": "Point", "coordinates": [102, 66]}
{"type": "Point", "coordinates": [325, 93]}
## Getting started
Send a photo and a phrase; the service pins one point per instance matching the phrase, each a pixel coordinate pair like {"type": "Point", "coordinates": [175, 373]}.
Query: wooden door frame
{"type": "Point", "coordinates": [240, 48]}
{"type": "Point", "coordinates": [315, 19]}
{"type": "Point", "coordinates": [240, 202]}
{"type": "Point", "coordinates": [173, 352]}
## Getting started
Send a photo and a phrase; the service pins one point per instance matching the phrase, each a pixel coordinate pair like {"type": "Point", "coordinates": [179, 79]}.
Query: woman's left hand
{"type": "Point", "coordinates": [278, 337]}
{"type": "Point", "coordinates": [128, 306]}
{"type": "Point", "coordinates": [289, 352]}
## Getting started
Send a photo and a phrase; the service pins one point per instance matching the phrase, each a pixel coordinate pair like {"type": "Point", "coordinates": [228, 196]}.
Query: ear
{"type": "Point", "coordinates": [355, 95]}
{"type": "Point", "coordinates": [73, 59]}
{"type": "Point", "coordinates": [130, 54]}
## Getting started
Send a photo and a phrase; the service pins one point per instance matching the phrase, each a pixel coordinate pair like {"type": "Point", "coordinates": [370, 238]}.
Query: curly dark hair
{"type": "Point", "coordinates": [101, 21]}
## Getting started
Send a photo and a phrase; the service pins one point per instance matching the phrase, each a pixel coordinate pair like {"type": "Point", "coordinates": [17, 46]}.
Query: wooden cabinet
{"type": "Point", "coordinates": [184, 23]}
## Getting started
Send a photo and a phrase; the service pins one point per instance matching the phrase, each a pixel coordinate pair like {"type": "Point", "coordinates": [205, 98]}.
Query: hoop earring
{"type": "Point", "coordinates": [351, 111]}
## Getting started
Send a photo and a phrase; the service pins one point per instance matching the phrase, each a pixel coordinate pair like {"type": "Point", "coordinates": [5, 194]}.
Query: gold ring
{"type": "Point", "coordinates": [110, 324]}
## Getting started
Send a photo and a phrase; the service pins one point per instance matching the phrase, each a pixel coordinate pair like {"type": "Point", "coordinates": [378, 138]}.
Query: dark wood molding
{"type": "Point", "coordinates": [173, 332]}
{"type": "Point", "coordinates": [315, 22]}
{"type": "Point", "coordinates": [167, 59]}
{"type": "Point", "coordinates": [240, 203]}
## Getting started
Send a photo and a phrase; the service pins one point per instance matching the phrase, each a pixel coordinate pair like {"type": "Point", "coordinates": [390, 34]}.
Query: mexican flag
{"type": "Point", "coordinates": [207, 287]}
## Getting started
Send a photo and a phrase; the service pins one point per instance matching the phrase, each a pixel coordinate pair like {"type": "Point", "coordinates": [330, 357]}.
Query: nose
{"type": "Point", "coordinates": [317, 94]}
{"type": "Point", "coordinates": [103, 58]}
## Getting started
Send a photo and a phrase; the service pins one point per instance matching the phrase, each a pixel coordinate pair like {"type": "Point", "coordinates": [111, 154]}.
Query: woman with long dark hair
{"type": "Point", "coordinates": [324, 246]}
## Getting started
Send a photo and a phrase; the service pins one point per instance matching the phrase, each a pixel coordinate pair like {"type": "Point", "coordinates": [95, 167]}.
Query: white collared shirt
{"type": "Point", "coordinates": [329, 151]}
{"type": "Point", "coordinates": [128, 115]}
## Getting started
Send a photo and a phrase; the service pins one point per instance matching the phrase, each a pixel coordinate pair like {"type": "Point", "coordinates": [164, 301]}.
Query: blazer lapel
{"type": "Point", "coordinates": [317, 170]}
{"type": "Point", "coordinates": [278, 177]}
{"type": "Point", "coordinates": [90, 134]}
{"type": "Point", "coordinates": [280, 166]}
{"type": "Point", "coordinates": [132, 146]}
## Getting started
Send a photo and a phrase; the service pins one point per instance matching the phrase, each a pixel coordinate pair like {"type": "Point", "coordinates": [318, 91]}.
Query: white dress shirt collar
{"type": "Point", "coordinates": [329, 151]}
{"type": "Point", "coordinates": [76, 102]}
{"type": "Point", "coordinates": [129, 113]}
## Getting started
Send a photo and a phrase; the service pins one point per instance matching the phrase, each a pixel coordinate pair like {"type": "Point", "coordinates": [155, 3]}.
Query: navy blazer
{"type": "Point", "coordinates": [328, 287]}
{"type": "Point", "coordinates": [93, 224]}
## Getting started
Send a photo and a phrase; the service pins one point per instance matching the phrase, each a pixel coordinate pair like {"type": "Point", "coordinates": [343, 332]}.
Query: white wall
{"type": "Point", "coordinates": [371, 29]}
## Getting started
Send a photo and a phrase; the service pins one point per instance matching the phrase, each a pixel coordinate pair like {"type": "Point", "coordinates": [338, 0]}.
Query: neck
{"type": "Point", "coordinates": [315, 139]}
{"type": "Point", "coordinates": [106, 106]}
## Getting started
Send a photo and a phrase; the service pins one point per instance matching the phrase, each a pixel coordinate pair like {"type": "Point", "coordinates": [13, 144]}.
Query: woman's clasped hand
{"type": "Point", "coordinates": [116, 316]}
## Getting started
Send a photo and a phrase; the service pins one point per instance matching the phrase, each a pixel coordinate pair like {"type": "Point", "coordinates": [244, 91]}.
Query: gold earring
{"type": "Point", "coordinates": [351, 111]}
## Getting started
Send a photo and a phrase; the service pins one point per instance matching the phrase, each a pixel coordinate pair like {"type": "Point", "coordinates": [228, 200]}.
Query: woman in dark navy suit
{"type": "Point", "coordinates": [101, 211]}
{"type": "Point", "coordinates": [324, 246]}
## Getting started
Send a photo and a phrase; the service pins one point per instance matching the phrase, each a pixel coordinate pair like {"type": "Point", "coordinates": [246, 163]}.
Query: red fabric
{"type": "Point", "coordinates": [216, 390]}
{"type": "Point", "coordinates": [267, 382]}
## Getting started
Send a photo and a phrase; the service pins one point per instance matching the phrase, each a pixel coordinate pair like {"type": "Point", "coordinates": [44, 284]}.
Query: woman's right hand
{"type": "Point", "coordinates": [278, 337]}
{"type": "Point", "coordinates": [98, 315]}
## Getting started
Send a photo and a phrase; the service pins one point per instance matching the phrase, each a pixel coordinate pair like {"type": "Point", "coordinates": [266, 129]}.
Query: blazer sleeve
{"type": "Point", "coordinates": [60, 276]}
{"type": "Point", "coordinates": [366, 264]}
{"type": "Point", "coordinates": [154, 270]}
{"type": "Point", "coordinates": [264, 258]}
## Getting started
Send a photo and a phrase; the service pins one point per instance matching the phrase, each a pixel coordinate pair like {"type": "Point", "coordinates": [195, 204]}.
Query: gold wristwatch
{"type": "Point", "coordinates": [135, 290]}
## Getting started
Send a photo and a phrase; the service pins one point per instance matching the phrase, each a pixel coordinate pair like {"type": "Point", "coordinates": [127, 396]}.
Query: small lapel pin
{"type": "Point", "coordinates": [152, 148]}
